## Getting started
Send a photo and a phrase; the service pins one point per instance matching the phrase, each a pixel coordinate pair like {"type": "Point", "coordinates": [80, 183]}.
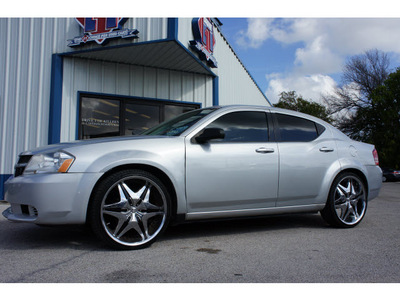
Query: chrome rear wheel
{"type": "Point", "coordinates": [347, 201]}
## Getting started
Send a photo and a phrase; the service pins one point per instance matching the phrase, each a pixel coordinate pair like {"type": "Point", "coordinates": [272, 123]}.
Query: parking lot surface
{"type": "Point", "coordinates": [293, 248]}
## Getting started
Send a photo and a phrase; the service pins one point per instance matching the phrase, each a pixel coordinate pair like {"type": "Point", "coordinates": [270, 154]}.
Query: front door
{"type": "Point", "coordinates": [237, 172]}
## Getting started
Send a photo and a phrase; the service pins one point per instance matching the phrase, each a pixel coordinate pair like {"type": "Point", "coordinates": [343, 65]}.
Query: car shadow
{"type": "Point", "coordinates": [212, 228]}
{"type": "Point", "coordinates": [23, 236]}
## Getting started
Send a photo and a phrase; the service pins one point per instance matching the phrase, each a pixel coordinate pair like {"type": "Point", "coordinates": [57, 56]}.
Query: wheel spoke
{"type": "Point", "coordinates": [145, 220]}
{"type": "Point", "coordinates": [345, 212]}
{"type": "Point", "coordinates": [145, 205]}
{"type": "Point", "coordinates": [341, 190]}
{"type": "Point", "coordinates": [340, 201]}
{"type": "Point", "coordinates": [352, 188]}
{"type": "Point", "coordinates": [356, 214]}
{"type": "Point", "coordinates": [132, 224]}
{"type": "Point", "coordinates": [134, 197]}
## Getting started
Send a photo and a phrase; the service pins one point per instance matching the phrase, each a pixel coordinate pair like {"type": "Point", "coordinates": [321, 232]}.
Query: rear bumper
{"type": "Point", "coordinates": [374, 181]}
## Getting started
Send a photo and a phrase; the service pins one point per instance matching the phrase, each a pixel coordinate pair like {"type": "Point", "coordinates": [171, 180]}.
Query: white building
{"type": "Point", "coordinates": [63, 79]}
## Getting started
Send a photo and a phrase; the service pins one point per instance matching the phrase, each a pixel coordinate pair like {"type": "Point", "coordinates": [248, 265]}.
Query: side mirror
{"type": "Point", "coordinates": [209, 134]}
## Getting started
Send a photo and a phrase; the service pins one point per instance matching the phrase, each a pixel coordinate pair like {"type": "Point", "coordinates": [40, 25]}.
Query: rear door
{"type": "Point", "coordinates": [307, 153]}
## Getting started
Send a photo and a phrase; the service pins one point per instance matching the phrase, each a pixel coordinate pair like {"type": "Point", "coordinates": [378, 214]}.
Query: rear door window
{"type": "Point", "coordinates": [296, 129]}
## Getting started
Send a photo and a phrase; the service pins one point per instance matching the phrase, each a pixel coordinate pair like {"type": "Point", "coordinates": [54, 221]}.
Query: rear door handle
{"type": "Point", "coordinates": [325, 149]}
{"type": "Point", "coordinates": [265, 150]}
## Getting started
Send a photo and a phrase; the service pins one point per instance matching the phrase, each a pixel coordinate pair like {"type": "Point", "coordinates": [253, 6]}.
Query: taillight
{"type": "Point", "coordinates": [376, 158]}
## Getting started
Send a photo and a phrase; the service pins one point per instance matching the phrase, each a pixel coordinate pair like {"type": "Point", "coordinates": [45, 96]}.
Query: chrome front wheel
{"type": "Point", "coordinates": [347, 201]}
{"type": "Point", "coordinates": [130, 209]}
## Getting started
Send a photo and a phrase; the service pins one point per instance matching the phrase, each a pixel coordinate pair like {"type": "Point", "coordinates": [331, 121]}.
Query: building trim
{"type": "Point", "coordinates": [215, 91]}
{"type": "Point", "coordinates": [172, 29]}
{"type": "Point", "coordinates": [97, 94]}
{"type": "Point", "coordinates": [55, 99]}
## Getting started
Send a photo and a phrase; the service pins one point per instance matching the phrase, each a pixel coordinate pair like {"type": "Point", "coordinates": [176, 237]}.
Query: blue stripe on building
{"type": "Point", "coordinates": [55, 99]}
{"type": "Point", "coordinates": [3, 178]}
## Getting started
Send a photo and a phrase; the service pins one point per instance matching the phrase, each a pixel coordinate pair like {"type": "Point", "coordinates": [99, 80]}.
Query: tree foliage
{"type": "Point", "coordinates": [290, 100]}
{"type": "Point", "coordinates": [384, 118]}
{"type": "Point", "coordinates": [362, 74]}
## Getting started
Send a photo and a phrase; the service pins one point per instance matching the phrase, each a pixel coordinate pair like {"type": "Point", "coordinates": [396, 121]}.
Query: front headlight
{"type": "Point", "coordinates": [49, 163]}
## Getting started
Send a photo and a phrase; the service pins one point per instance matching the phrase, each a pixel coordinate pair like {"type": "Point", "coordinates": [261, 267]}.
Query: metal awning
{"type": "Point", "coordinates": [164, 54]}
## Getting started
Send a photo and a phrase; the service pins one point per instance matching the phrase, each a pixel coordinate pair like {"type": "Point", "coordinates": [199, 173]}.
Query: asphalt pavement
{"type": "Point", "coordinates": [299, 248]}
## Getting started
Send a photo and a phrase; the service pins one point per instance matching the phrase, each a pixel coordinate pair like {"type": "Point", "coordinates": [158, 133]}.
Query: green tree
{"type": "Point", "coordinates": [383, 117]}
{"type": "Point", "coordinates": [290, 100]}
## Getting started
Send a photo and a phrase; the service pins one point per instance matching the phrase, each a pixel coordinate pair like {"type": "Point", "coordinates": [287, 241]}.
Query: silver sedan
{"type": "Point", "coordinates": [218, 162]}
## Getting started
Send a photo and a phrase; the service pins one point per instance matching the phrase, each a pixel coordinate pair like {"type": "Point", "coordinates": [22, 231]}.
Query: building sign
{"type": "Point", "coordinates": [101, 29]}
{"type": "Point", "coordinates": [204, 40]}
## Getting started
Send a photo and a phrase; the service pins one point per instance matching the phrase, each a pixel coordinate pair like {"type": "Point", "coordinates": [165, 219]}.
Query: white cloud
{"type": "Point", "coordinates": [316, 58]}
{"type": "Point", "coordinates": [345, 36]}
{"type": "Point", "coordinates": [327, 42]}
{"type": "Point", "coordinates": [309, 87]}
{"type": "Point", "coordinates": [258, 31]}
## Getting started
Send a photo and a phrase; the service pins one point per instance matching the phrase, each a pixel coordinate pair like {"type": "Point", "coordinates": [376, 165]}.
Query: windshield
{"type": "Point", "coordinates": [179, 124]}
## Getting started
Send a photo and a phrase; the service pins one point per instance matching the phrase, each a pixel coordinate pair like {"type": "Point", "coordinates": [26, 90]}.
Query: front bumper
{"type": "Point", "coordinates": [60, 198]}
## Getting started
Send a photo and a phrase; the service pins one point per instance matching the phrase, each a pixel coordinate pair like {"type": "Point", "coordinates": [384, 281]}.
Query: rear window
{"type": "Point", "coordinates": [296, 129]}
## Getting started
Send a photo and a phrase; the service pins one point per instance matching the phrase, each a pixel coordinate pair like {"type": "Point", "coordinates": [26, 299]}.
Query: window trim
{"type": "Point", "coordinates": [123, 101]}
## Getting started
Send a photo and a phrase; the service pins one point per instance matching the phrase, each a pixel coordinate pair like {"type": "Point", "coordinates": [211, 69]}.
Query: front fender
{"type": "Point", "coordinates": [167, 156]}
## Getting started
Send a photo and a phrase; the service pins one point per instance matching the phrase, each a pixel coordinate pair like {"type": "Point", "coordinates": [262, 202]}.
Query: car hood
{"type": "Point", "coordinates": [80, 143]}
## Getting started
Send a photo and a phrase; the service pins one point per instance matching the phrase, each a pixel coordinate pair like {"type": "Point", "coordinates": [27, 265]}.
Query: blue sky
{"type": "Point", "coordinates": [307, 54]}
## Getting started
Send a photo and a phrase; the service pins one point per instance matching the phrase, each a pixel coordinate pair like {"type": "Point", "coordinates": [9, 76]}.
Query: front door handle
{"type": "Point", "coordinates": [265, 150]}
{"type": "Point", "coordinates": [325, 149]}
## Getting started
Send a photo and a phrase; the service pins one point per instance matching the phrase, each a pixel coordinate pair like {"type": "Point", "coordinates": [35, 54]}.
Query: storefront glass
{"type": "Point", "coordinates": [114, 116]}
{"type": "Point", "coordinates": [99, 118]}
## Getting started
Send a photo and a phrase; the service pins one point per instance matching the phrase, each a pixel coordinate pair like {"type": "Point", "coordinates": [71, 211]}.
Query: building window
{"type": "Point", "coordinates": [104, 116]}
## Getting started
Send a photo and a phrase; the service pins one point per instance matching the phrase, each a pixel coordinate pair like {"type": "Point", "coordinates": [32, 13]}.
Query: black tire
{"type": "Point", "coordinates": [347, 201]}
{"type": "Point", "coordinates": [129, 209]}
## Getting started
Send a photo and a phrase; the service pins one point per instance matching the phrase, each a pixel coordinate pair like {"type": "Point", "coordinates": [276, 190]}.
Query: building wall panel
{"type": "Point", "coordinates": [137, 81]}
{"type": "Point", "coordinates": [236, 85]}
{"type": "Point", "coordinates": [150, 82]}
{"type": "Point", "coordinates": [25, 60]}
{"type": "Point", "coordinates": [187, 87]}
{"type": "Point", "coordinates": [162, 86]}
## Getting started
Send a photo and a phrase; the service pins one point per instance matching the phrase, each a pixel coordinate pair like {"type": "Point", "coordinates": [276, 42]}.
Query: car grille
{"type": "Point", "coordinates": [29, 210]}
{"type": "Point", "coordinates": [21, 164]}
